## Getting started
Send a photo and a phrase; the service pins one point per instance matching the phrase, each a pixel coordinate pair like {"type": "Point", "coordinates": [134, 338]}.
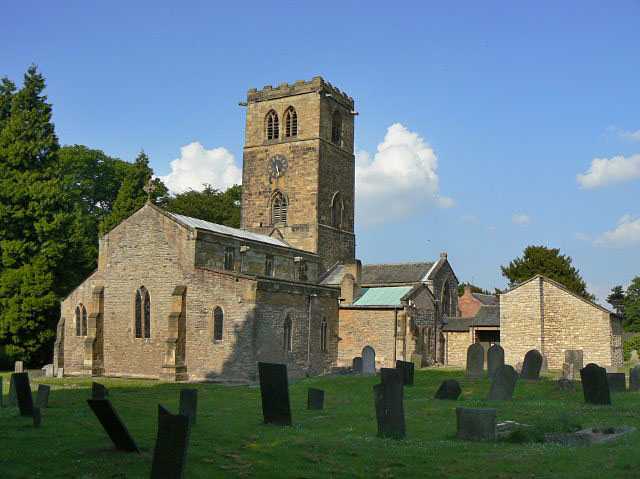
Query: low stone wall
{"type": "Point", "coordinates": [456, 347]}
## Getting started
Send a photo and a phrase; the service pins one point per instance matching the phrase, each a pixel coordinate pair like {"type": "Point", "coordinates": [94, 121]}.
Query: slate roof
{"type": "Point", "coordinates": [382, 296]}
{"type": "Point", "coordinates": [385, 273]}
{"type": "Point", "coordinates": [485, 298]}
{"type": "Point", "coordinates": [456, 324]}
{"type": "Point", "coordinates": [333, 276]}
{"type": "Point", "coordinates": [487, 316]}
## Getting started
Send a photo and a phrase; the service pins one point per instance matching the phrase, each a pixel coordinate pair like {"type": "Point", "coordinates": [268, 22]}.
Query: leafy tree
{"type": "Point", "coordinates": [631, 320]}
{"type": "Point", "coordinates": [547, 262]}
{"type": "Point", "coordinates": [210, 204]}
{"type": "Point", "coordinates": [131, 195]}
{"type": "Point", "coordinates": [616, 299]}
{"type": "Point", "coordinates": [474, 289]}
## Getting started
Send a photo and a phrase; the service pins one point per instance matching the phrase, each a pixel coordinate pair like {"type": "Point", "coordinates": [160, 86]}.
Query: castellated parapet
{"type": "Point", "coordinates": [316, 84]}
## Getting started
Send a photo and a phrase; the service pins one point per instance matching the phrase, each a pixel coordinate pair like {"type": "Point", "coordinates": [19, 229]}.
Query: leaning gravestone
{"type": "Point", "coordinates": [476, 424]}
{"type": "Point", "coordinates": [475, 360]}
{"type": "Point", "coordinates": [407, 372]}
{"type": "Point", "coordinates": [113, 425]}
{"type": "Point", "coordinates": [594, 384]}
{"type": "Point", "coordinates": [315, 399]}
{"type": "Point", "coordinates": [368, 361]}
{"type": "Point", "coordinates": [617, 382]}
{"type": "Point", "coordinates": [449, 389]}
{"type": "Point", "coordinates": [357, 366]}
{"type": "Point", "coordinates": [634, 379]}
{"type": "Point", "coordinates": [503, 384]}
{"type": "Point", "coordinates": [98, 391]}
{"type": "Point", "coordinates": [544, 367]}
{"type": "Point", "coordinates": [189, 403]}
{"type": "Point", "coordinates": [22, 390]}
{"type": "Point", "coordinates": [575, 357]}
{"type": "Point", "coordinates": [531, 365]}
{"type": "Point", "coordinates": [172, 443]}
{"type": "Point", "coordinates": [389, 407]}
{"type": "Point", "coordinates": [274, 389]}
{"type": "Point", "coordinates": [495, 359]}
{"type": "Point", "coordinates": [42, 398]}
{"type": "Point", "coordinates": [19, 367]}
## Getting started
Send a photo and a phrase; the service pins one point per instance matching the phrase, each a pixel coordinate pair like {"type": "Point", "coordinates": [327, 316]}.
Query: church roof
{"type": "Point", "coordinates": [396, 272]}
{"type": "Point", "coordinates": [453, 324]}
{"type": "Point", "coordinates": [488, 299]}
{"type": "Point", "coordinates": [487, 316]}
{"type": "Point", "coordinates": [226, 230]}
{"type": "Point", "coordinates": [382, 296]}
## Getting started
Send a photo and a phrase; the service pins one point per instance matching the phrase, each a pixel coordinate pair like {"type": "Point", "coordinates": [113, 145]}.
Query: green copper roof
{"type": "Point", "coordinates": [383, 296]}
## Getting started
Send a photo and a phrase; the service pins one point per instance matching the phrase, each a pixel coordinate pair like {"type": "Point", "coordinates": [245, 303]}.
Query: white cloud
{"type": "Point", "coordinates": [197, 165]}
{"type": "Point", "coordinates": [605, 172]}
{"type": "Point", "coordinates": [492, 228]}
{"type": "Point", "coordinates": [628, 135]}
{"type": "Point", "coordinates": [582, 237]}
{"type": "Point", "coordinates": [468, 219]}
{"type": "Point", "coordinates": [521, 220]}
{"type": "Point", "coordinates": [399, 181]}
{"type": "Point", "coordinates": [627, 234]}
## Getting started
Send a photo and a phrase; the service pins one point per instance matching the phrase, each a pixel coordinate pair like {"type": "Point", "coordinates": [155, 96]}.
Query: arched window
{"type": "Point", "coordinates": [279, 208]}
{"type": "Point", "coordinates": [81, 320]}
{"type": "Point", "coordinates": [290, 122]}
{"type": "Point", "coordinates": [229, 258]}
{"type": "Point", "coordinates": [336, 211]}
{"type": "Point", "coordinates": [336, 128]}
{"type": "Point", "coordinates": [288, 333]}
{"type": "Point", "coordinates": [218, 322]}
{"type": "Point", "coordinates": [143, 313]}
{"type": "Point", "coordinates": [446, 300]}
{"type": "Point", "coordinates": [272, 126]}
{"type": "Point", "coordinates": [324, 335]}
{"type": "Point", "coordinates": [268, 265]}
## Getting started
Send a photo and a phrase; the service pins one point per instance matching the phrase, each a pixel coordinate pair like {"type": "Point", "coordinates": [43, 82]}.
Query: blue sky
{"type": "Point", "coordinates": [476, 118]}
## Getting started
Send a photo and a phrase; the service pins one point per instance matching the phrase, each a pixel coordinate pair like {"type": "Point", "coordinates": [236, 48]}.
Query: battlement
{"type": "Point", "coordinates": [316, 84]}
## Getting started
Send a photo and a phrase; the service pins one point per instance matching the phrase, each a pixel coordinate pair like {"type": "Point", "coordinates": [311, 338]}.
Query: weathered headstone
{"type": "Point", "coordinates": [476, 424]}
{"type": "Point", "coordinates": [19, 367]}
{"type": "Point", "coordinates": [36, 418]}
{"type": "Point", "coordinates": [475, 360]}
{"type": "Point", "coordinates": [495, 359]}
{"type": "Point", "coordinates": [519, 367]}
{"type": "Point", "coordinates": [575, 357]}
{"type": "Point", "coordinates": [42, 398]}
{"type": "Point", "coordinates": [594, 384]}
{"type": "Point", "coordinates": [357, 366]}
{"type": "Point", "coordinates": [98, 391]}
{"type": "Point", "coordinates": [568, 371]}
{"type": "Point", "coordinates": [634, 379]}
{"type": "Point", "coordinates": [634, 356]}
{"type": "Point", "coordinates": [48, 370]}
{"type": "Point", "coordinates": [565, 384]}
{"type": "Point", "coordinates": [274, 389]}
{"type": "Point", "coordinates": [389, 407]}
{"type": "Point", "coordinates": [172, 444]}
{"type": "Point", "coordinates": [449, 389]}
{"type": "Point", "coordinates": [407, 372]}
{"type": "Point", "coordinates": [531, 365]}
{"type": "Point", "coordinates": [315, 399]}
{"type": "Point", "coordinates": [22, 389]}
{"type": "Point", "coordinates": [189, 403]}
{"type": "Point", "coordinates": [368, 361]}
{"type": "Point", "coordinates": [60, 373]}
{"type": "Point", "coordinates": [544, 367]}
{"type": "Point", "coordinates": [113, 425]}
{"type": "Point", "coordinates": [503, 384]}
{"type": "Point", "coordinates": [617, 382]}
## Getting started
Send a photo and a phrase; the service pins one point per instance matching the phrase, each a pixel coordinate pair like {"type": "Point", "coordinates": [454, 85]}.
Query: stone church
{"type": "Point", "coordinates": [179, 298]}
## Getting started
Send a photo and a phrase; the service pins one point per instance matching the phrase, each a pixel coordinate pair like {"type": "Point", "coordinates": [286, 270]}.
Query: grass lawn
{"type": "Point", "coordinates": [338, 442]}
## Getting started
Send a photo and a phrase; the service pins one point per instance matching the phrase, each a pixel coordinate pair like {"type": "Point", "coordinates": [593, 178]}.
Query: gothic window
{"type": "Point", "coordinates": [218, 322]}
{"type": "Point", "coordinates": [290, 122]}
{"type": "Point", "coordinates": [446, 300]}
{"type": "Point", "coordinates": [302, 271]}
{"type": "Point", "coordinates": [280, 208]}
{"type": "Point", "coordinates": [288, 333]}
{"type": "Point", "coordinates": [336, 128]}
{"type": "Point", "coordinates": [336, 211]}
{"type": "Point", "coordinates": [81, 320]}
{"type": "Point", "coordinates": [143, 313]}
{"type": "Point", "coordinates": [324, 335]}
{"type": "Point", "coordinates": [272, 125]}
{"type": "Point", "coordinates": [229, 258]}
{"type": "Point", "coordinates": [268, 265]}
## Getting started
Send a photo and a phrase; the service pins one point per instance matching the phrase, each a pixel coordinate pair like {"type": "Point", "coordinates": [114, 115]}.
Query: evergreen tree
{"type": "Point", "coordinates": [632, 306]}
{"type": "Point", "coordinates": [210, 204]}
{"type": "Point", "coordinates": [616, 299]}
{"type": "Point", "coordinates": [547, 262]}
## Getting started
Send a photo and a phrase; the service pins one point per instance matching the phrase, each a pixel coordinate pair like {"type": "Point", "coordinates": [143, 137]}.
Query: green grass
{"type": "Point", "coordinates": [338, 442]}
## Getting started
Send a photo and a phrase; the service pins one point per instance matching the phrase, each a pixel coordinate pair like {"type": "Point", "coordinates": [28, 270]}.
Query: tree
{"type": "Point", "coordinates": [547, 262]}
{"type": "Point", "coordinates": [632, 306]}
{"type": "Point", "coordinates": [131, 195]}
{"type": "Point", "coordinates": [616, 299]}
{"type": "Point", "coordinates": [210, 204]}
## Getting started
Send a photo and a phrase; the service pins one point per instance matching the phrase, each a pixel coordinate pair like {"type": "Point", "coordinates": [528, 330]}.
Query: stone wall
{"type": "Point", "coordinates": [366, 327]}
{"type": "Point", "coordinates": [457, 344]}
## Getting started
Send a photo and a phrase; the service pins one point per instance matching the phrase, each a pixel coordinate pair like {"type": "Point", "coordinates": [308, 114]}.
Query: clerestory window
{"type": "Point", "coordinates": [279, 208]}
{"type": "Point", "coordinates": [272, 126]}
{"type": "Point", "coordinates": [290, 122]}
{"type": "Point", "coordinates": [229, 257]}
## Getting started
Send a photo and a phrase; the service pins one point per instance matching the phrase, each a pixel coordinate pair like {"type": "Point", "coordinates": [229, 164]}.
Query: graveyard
{"type": "Point", "coordinates": [229, 439]}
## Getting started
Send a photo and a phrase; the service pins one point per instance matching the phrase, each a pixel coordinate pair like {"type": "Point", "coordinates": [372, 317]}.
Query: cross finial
{"type": "Point", "coordinates": [149, 188]}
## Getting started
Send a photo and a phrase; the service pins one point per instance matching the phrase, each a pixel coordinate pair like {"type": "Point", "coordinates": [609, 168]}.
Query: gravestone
{"type": "Point", "coordinates": [416, 359]}
{"type": "Point", "coordinates": [519, 367]}
{"type": "Point", "coordinates": [48, 370]}
{"type": "Point", "coordinates": [611, 369]}
{"type": "Point", "coordinates": [42, 398]}
{"type": "Point", "coordinates": [503, 384]}
{"type": "Point", "coordinates": [389, 407]}
{"type": "Point", "coordinates": [531, 365]}
{"type": "Point", "coordinates": [476, 424]}
{"type": "Point", "coordinates": [634, 356]}
{"type": "Point", "coordinates": [565, 384]}
{"type": "Point", "coordinates": [315, 399]}
{"type": "Point", "coordinates": [568, 371]}
{"type": "Point", "coordinates": [189, 403]}
{"type": "Point", "coordinates": [407, 372]}
{"type": "Point", "coordinates": [475, 360]}
{"type": "Point", "coordinates": [98, 391]}
{"type": "Point", "coordinates": [172, 444]}
{"type": "Point", "coordinates": [575, 357]}
{"type": "Point", "coordinates": [594, 384]}
{"type": "Point", "coordinates": [617, 382]}
{"type": "Point", "coordinates": [544, 367]}
{"type": "Point", "coordinates": [449, 389]}
{"type": "Point", "coordinates": [391, 375]}
{"type": "Point", "coordinates": [60, 373]}
{"type": "Point", "coordinates": [113, 425]}
{"type": "Point", "coordinates": [22, 390]}
{"type": "Point", "coordinates": [274, 389]}
{"type": "Point", "coordinates": [19, 367]}
{"type": "Point", "coordinates": [495, 359]}
{"type": "Point", "coordinates": [357, 366]}
{"type": "Point", "coordinates": [36, 418]}
{"type": "Point", "coordinates": [368, 361]}
{"type": "Point", "coordinates": [634, 379]}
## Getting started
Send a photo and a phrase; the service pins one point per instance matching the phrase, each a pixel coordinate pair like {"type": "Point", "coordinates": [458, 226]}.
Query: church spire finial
{"type": "Point", "coordinates": [149, 188]}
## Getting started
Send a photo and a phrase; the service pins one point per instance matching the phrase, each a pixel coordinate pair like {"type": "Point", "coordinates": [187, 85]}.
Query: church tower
{"type": "Point", "coordinates": [298, 168]}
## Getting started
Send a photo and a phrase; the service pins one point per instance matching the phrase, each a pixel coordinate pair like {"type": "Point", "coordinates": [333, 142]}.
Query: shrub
{"type": "Point", "coordinates": [631, 344]}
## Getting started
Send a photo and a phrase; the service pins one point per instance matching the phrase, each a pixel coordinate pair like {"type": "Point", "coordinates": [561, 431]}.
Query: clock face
{"type": "Point", "coordinates": [277, 166]}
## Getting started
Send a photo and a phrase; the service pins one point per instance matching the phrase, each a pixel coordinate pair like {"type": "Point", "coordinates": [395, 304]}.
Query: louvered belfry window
{"type": "Point", "coordinates": [273, 127]}
{"type": "Point", "coordinates": [280, 208]}
{"type": "Point", "coordinates": [290, 123]}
